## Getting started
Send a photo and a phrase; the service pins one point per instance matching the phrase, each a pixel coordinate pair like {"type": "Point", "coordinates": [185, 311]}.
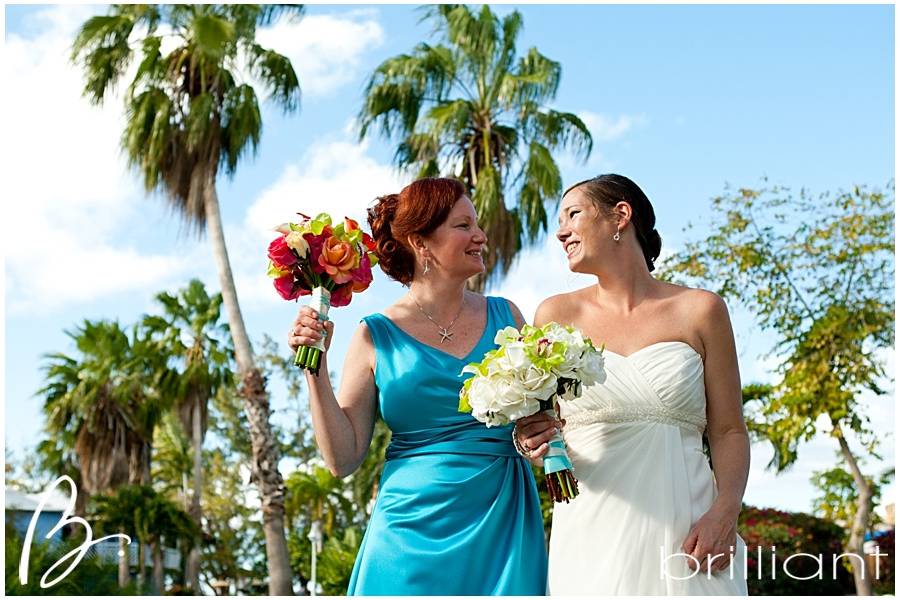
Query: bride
{"type": "Point", "coordinates": [651, 518]}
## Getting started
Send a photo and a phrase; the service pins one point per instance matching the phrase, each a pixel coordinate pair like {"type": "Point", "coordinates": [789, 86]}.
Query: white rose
{"type": "Point", "coordinates": [515, 357]}
{"type": "Point", "coordinates": [482, 395]}
{"type": "Point", "coordinates": [592, 368]}
{"type": "Point", "coordinates": [538, 384]}
{"type": "Point", "coordinates": [514, 401]}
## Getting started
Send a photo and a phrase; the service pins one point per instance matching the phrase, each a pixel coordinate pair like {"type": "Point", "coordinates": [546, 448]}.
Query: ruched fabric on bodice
{"type": "Point", "coordinates": [457, 511]}
{"type": "Point", "coordinates": [636, 445]}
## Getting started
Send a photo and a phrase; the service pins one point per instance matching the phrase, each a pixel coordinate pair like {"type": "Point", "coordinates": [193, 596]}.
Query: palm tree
{"type": "Point", "coordinates": [173, 461]}
{"type": "Point", "coordinates": [312, 496]}
{"type": "Point", "coordinates": [470, 108]}
{"type": "Point", "coordinates": [191, 334]}
{"type": "Point", "coordinates": [319, 496]}
{"type": "Point", "coordinates": [188, 114]}
{"type": "Point", "coordinates": [147, 517]}
{"type": "Point", "coordinates": [102, 406]}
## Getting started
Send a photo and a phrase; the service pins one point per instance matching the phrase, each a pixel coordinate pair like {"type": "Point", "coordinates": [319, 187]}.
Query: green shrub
{"type": "Point", "coordinates": [92, 576]}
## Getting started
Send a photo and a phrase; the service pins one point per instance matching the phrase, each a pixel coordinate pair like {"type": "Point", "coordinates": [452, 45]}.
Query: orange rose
{"type": "Point", "coordinates": [338, 259]}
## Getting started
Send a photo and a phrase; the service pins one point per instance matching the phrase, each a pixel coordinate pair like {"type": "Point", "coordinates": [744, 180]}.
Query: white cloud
{"type": "Point", "coordinates": [67, 188]}
{"type": "Point", "coordinates": [605, 128]}
{"type": "Point", "coordinates": [324, 49]}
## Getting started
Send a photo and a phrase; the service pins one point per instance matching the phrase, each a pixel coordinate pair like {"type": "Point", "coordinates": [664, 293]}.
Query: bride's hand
{"type": "Point", "coordinates": [714, 533]}
{"type": "Point", "coordinates": [535, 431]}
{"type": "Point", "coordinates": [307, 329]}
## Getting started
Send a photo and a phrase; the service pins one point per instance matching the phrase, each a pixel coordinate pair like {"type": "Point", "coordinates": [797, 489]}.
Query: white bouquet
{"type": "Point", "coordinates": [523, 376]}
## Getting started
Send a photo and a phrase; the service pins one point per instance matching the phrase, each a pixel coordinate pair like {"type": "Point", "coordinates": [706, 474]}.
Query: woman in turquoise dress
{"type": "Point", "coordinates": [457, 511]}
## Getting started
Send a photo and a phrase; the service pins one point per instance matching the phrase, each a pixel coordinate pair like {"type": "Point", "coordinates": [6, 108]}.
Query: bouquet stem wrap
{"type": "Point", "coordinates": [558, 471]}
{"type": "Point", "coordinates": [309, 357]}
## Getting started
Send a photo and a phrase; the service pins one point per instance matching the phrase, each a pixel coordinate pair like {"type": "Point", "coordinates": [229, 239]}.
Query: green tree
{"type": "Point", "coordinates": [102, 404]}
{"type": "Point", "coordinates": [146, 517]}
{"type": "Point", "coordinates": [471, 107]}
{"type": "Point", "coordinates": [318, 495]}
{"type": "Point", "coordinates": [838, 496]}
{"type": "Point", "coordinates": [190, 113]}
{"type": "Point", "coordinates": [94, 575]}
{"type": "Point", "coordinates": [173, 461]}
{"type": "Point", "coordinates": [817, 273]}
{"type": "Point", "coordinates": [233, 525]}
{"type": "Point", "coordinates": [101, 409]}
{"type": "Point", "coordinates": [335, 565]}
{"type": "Point", "coordinates": [189, 332]}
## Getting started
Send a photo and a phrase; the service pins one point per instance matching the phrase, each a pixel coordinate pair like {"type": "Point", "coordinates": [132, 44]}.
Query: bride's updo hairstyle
{"type": "Point", "coordinates": [419, 208]}
{"type": "Point", "coordinates": [605, 191]}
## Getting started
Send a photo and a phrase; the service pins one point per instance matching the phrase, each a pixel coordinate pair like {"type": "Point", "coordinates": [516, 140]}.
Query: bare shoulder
{"type": "Point", "coordinates": [363, 345]}
{"type": "Point", "coordinates": [705, 310]}
{"type": "Point", "coordinates": [560, 306]}
{"type": "Point", "coordinates": [693, 301]}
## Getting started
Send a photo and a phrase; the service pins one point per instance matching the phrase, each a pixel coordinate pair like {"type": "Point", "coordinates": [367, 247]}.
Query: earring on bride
{"type": "Point", "coordinates": [616, 237]}
{"type": "Point", "coordinates": [425, 271]}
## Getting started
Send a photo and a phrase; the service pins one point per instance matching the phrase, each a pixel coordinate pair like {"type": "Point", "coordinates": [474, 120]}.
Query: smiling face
{"type": "Point", "coordinates": [584, 232]}
{"type": "Point", "coordinates": [457, 245]}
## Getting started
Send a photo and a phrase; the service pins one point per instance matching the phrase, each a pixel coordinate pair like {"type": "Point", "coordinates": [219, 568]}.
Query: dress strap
{"type": "Point", "coordinates": [499, 314]}
{"type": "Point", "coordinates": [378, 329]}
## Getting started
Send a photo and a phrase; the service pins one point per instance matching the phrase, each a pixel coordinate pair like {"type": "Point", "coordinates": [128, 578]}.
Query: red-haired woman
{"type": "Point", "coordinates": [457, 511]}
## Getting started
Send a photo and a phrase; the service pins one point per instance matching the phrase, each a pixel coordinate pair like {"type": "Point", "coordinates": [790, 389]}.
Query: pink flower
{"type": "Point", "coordinates": [280, 253]}
{"type": "Point", "coordinates": [315, 250]}
{"type": "Point", "coordinates": [341, 295]}
{"type": "Point", "coordinates": [288, 288]}
{"type": "Point", "coordinates": [362, 276]}
{"type": "Point", "coordinates": [285, 287]}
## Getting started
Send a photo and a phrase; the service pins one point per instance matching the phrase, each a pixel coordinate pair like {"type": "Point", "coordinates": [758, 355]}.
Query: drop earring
{"type": "Point", "coordinates": [616, 237]}
{"type": "Point", "coordinates": [425, 270]}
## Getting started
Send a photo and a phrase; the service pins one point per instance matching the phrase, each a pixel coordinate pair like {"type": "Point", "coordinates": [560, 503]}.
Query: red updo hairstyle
{"type": "Point", "coordinates": [419, 208]}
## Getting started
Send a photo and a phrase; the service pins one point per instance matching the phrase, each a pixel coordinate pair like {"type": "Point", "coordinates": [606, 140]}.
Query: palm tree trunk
{"type": "Point", "coordinates": [141, 571]}
{"type": "Point", "coordinates": [124, 567]}
{"type": "Point", "coordinates": [159, 580]}
{"type": "Point", "coordinates": [862, 580]}
{"type": "Point", "coordinates": [193, 564]}
{"type": "Point", "coordinates": [264, 466]}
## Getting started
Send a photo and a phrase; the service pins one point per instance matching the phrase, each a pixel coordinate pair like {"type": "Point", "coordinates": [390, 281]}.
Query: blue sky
{"type": "Point", "coordinates": [682, 99]}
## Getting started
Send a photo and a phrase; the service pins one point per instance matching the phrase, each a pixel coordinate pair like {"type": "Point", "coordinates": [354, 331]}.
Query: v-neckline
{"type": "Point", "coordinates": [465, 358]}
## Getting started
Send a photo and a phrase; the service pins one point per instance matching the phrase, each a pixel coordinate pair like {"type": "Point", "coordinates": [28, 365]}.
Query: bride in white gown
{"type": "Point", "coordinates": [651, 518]}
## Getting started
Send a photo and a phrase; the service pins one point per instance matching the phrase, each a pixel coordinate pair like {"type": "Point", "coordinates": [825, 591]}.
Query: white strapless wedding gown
{"type": "Point", "coordinates": [636, 446]}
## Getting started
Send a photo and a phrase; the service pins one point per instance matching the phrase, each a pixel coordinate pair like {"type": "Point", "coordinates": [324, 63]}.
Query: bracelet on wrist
{"type": "Point", "coordinates": [522, 452]}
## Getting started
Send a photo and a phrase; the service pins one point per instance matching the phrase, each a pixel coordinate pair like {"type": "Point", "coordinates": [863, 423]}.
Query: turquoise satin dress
{"type": "Point", "coordinates": [457, 511]}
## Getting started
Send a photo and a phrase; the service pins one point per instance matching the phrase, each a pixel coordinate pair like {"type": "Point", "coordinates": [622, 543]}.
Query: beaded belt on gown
{"type": "Point", "coordinates": [624, 414]}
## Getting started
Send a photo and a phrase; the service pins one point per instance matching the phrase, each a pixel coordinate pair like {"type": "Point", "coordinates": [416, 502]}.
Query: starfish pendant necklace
{"type": "Point", "coordinates": [444, 332]}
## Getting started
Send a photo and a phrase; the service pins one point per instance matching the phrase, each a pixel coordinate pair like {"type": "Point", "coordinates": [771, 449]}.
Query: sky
{"type": "Point", "coordinates": [685, 100]}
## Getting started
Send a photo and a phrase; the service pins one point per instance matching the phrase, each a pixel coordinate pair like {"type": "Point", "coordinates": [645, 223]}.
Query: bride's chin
{"type": "Point", "coordinates": [573, 265]}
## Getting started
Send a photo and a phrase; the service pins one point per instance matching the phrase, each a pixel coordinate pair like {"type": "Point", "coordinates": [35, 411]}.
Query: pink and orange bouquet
{"type": "Point", "coordinates": [328, 263]}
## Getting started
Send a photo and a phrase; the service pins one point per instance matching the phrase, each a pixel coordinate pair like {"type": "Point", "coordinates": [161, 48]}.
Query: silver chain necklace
{"type": "Point", "coordinates": [443, 331]}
